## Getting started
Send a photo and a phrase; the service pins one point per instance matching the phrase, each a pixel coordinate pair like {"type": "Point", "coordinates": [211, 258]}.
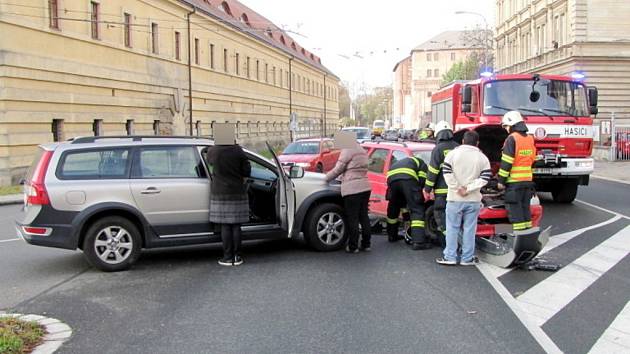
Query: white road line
{"type": "Point", "coordinates": [616, 338]}
{"type": "Point", "coordinates": [610, 179]}
{"type": "Point", "coordinates": [603, 209]}
{"type": "Point", "coordinates": [551, 295]}
{"type": "Point", "coordinates": [539, 335]}
{"type": "Point", "coordinates": [557, 240]}
{"type": "Point", "coordinates": [10, 240]}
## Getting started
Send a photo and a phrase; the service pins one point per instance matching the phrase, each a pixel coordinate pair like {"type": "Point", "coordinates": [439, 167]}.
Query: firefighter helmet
{"type": "Point", "coordinates": [511, 118]}
{"type": "Point", "coordinates": [442, 125]}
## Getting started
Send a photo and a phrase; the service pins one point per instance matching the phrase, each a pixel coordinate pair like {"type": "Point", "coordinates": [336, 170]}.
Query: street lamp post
{"type": "Point", "coordinates": [485, 34]}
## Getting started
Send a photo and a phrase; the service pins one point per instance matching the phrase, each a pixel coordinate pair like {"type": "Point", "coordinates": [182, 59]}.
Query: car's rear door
{"type": "Point", "coordinates": [377, 175]}
{"type": "Point", "coordinates": [171, 189]}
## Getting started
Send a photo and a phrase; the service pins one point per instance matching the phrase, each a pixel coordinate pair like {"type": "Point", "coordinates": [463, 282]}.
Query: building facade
{"type": "Point", "coordinates": [419, 75]}
{"type": "Point", "coordinates": [566, 36]}
{"type": "Point", "coordinates": [119, 67]}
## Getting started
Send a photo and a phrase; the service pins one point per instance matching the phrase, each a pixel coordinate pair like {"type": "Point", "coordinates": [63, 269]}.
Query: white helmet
{"type": "Point", "coordinates": [442, 125]}
{"type": "Point", "coordinates": [511, 118]}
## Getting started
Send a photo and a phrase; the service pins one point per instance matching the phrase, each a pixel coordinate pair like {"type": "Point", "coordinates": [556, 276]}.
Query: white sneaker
{"type": "Point", "coordinates": [472, 261]}
{"type": "Point", "coordinates": [444, 261]}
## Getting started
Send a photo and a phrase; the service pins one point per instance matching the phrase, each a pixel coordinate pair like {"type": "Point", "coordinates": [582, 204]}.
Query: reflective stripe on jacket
{"type": "Point", "coordinates": [408, 168]}
{"type": "Point", "coordinates": [519, 154]}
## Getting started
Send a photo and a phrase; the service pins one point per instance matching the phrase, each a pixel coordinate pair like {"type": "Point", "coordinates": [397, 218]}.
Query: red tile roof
{"type": "Point", "coordinates": [252, 23]}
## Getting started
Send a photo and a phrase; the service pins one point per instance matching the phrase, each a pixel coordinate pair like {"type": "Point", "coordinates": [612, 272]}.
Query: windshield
{"type": "Point", "coordinates": [557, 98]}
{"type": "Point", "coordinates": [362, 133]}
{"type": "Point", "coordinates": [379, 124]}
{"type": "Point", "coordinates": [305, 147]}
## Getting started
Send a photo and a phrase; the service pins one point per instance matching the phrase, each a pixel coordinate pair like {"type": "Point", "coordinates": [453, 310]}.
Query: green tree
{"type": "Point", "coordinates": [467, 69]}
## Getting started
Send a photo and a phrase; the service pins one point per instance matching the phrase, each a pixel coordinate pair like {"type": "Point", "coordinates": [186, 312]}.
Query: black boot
{"type": "Point", "coordinates": [392, 232]}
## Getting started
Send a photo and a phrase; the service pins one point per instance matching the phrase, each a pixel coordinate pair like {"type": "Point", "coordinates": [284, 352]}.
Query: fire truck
{"type": "Point", "coordinates": [557, 111]}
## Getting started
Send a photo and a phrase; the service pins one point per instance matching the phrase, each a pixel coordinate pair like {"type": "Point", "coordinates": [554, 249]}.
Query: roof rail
{"type": "Point", "coordinates": [92, 139]}
{"type": "Point", "coordinates": [393, 142]}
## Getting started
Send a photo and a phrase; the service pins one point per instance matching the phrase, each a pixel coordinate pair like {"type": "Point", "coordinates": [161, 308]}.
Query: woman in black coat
{"type": "Point", "coordinates": [229, 205]}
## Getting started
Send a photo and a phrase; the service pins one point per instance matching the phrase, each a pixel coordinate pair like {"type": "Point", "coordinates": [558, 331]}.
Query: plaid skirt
{"type": "Point", "coordinates": [229, 209]}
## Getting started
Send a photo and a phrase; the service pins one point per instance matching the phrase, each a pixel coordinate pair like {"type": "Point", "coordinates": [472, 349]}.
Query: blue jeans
{"type": "Point", "coordinates": [461, 219]}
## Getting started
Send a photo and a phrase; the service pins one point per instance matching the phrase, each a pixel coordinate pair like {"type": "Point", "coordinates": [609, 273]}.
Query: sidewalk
{"type": "Point", "coordinates": [619, 170]}
{"type": "Point", "coordinates": [11, 199]}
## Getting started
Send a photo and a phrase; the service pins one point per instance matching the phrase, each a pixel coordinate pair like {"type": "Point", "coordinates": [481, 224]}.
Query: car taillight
{"type": "Point", "coordinates": [35, 188]}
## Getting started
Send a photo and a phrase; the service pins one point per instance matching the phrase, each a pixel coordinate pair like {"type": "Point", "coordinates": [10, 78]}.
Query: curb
{"type": "Point", "coordinates": [57, 332]}
{"type": "Point", "coordinates": [610, 179]}
{"type": "Point", "coordinates": [12, 199]}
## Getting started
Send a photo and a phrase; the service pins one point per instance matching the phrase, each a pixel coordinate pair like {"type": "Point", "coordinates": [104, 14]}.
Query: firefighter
{"type": "Point", "coordinates": [435, 186]}
{"type": "Point", "coordinates": [405, 181]}
{"type": "Point", "coordinates": [428, 133]}
{"type": "Point", "coordinates": [515, 174]}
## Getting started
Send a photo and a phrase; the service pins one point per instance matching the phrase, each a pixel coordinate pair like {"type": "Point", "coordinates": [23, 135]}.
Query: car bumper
{"type": "Point", "coordinates": [491, 217]}
{"type": "Point", "coordinates": [569, 167]}
{"type": "Point", "coordinates": [57, 236]}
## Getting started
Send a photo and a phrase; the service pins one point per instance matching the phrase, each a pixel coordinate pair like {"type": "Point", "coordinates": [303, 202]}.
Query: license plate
{"type": "Point", "coordinates": [543, 171]}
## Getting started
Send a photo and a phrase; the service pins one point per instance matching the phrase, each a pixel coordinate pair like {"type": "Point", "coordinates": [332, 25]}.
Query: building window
{"type": "Point", "coordinates": [53, 13]}
{"type": "Point", "coordinates": [57, 130]}
{"type": "Point", "coordinates": [129, 127]}
{"type": "Point", "coordinates": [154, 39]}
{"type": "Point", "coordinates": [281, 78]}
{"type": "Point", "coordinates": [127, 27]}
{"type": "Point", "coordinates": [211, 56]}
{"type": "Point", "coordinates": [237, 64]}
{"type": "Point", "coordinates": [428, 72]}
{"type": "Point", "coordinates": [436, 56]}
{"type": "Point", "coordinates": [429, 93]}
{"type": "Point", "coordinates": [198, 128]}
{"type": "Point", "coordinates": [436, 73]}
{"type": "Point", "coordinates": [197, 51]}
{"type": "Point", "coordinates": [156, 127]}
{"type": "Point", "coordinates": [273, 72]}
{"type": "Point", "coordinates": [247, 68]}
{"type": "Point", "coordinates": [225, 60]}
{"type": "Point", "coordinates": [267, 73]}
{"type": "Point", "coordinates": [94, 16]}
{"type": "Point", "coordinates": [452, 56]}
{"type": "Point", "coordinates": [428, 56]}
{"type": "Point", "coordinates": [258, 70]}
{"type": "Point", "coordinates": [97, 127]}
{"type": "Point", "coordinates": [178, 38]}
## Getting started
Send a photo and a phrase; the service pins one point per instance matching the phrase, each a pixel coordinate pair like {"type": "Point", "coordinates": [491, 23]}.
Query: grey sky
{"type": "Point", "coordinates": [381, 32]}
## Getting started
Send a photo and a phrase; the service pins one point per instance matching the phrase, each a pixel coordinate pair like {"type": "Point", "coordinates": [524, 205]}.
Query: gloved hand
{"type": "Point", "coordinates": [500, 186]}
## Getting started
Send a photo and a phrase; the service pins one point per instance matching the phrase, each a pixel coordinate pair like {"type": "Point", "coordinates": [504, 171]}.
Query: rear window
{"type": "Point", "coordinates": [424, 155]}
{"type": "Point", "coordinates": [94, 164]}
{"type": "Point", "coordinates": [31, 169]}
{"type": "Point", "coordinates": [169, 162]}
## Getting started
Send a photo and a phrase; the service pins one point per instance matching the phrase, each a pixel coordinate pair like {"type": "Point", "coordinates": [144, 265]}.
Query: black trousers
{"type": "Point", "coordinates": [356, 206]}
{"type": "Point", "coordinates": [517, 201]}
{"type": "Point", "coordinates": [439, 211]}
{"type": "Point", "coordinates": [407, 193]}
{"type": "Point", "coordinates": [231, 237]}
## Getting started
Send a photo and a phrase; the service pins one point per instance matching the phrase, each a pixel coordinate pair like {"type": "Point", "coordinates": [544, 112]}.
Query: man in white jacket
{"type": "Point", "coordinates": [466, 169]}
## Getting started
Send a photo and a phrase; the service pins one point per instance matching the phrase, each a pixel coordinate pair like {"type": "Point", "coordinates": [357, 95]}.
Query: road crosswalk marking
{"type": "Point", "coordinates": [616, 339]}
{"type": "Point", "coordinates": [551, 295]}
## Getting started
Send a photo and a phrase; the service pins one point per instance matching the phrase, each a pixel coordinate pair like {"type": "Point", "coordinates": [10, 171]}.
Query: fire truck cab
{"type": "Point", "coordinates": [557, 111]}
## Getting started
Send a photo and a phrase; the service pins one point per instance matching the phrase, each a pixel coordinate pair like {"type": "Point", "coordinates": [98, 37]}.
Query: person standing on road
{"type": "Point", "coordinates": [517, 158]}
{"type": "Point", "coordinates": [435, 187]}
{"type": "Point", "coordinates": [466, 169]}
{"type": "Point", "coordinates": [405, 181]}
{"type": "Point", "coordinates": [355, 189]}
{"type": "Point", "coordinates": [229, 205]}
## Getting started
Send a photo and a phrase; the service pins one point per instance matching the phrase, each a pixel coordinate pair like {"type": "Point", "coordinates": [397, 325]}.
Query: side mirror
{"type": "Point", "coordinates": [467, 96]}
{"type": "Point", "coordinates": [592, 100]}
{"type": "Point", "coordinates": [296, 172]}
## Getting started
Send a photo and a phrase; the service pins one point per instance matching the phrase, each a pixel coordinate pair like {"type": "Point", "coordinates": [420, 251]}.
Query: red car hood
{"type": "Point", "coordinates": [297, 158]}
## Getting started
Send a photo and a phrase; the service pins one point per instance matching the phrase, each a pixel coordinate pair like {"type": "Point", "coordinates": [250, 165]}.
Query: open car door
{"type": "Point", "coordinates": [287, 195]}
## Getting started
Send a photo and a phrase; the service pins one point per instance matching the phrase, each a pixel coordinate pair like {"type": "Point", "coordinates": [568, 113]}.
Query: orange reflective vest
{"type": "Point", "coordinates": [524, 157]}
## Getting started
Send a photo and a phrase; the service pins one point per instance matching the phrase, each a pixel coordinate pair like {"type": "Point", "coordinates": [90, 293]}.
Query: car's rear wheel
{"type": "Point", "coordinates": [326, 227]}
{"type": "Point", "coordinates": [431, 228]}
{"type": "Point", "coordinates": [112, 244]}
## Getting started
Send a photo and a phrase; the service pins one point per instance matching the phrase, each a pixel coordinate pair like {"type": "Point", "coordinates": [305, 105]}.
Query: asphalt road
{"type": "Point", "coordinates": [287, 298]}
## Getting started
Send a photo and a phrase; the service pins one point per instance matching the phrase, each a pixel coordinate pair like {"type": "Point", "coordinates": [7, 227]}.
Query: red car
{"type": "Point", "coordinates": [315, 155]}
{"type": "Point", "coordinates": [384, 154]}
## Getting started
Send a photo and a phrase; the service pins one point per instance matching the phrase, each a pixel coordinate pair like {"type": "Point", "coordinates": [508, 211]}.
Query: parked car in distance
{"type": "Point", "coordinates": [315, 155]}
{"type": "Point", "coordinates": [378, 126]}
{"type": "Point", "coordinates": [113, 196]}
{"type": "Point", "coordinates": [363, 133]}
{"type": "Point", "coordinates": [382, 155]}
{"type": "Point", "coordinates": [390, 135]}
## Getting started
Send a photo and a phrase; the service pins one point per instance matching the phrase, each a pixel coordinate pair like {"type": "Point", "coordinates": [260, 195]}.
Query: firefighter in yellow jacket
{"type": "Point", "coordinates": [515, 173]}
{"type": "Point", "coordinates": [405, 181]}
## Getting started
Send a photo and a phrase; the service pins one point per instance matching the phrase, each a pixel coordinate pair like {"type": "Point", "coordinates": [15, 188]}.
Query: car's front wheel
{"type": "Point", "coordinates": [112, 244]}
{"type": "Point", "coordinates": [325, 228]}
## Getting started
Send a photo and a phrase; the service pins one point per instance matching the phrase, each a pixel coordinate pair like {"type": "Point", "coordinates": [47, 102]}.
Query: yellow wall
{"type": "Point", "coordinates": [64, 73]}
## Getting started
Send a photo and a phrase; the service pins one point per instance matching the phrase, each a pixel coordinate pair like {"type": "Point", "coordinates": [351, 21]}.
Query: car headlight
{"type": "Point", "coordinates": [303, 164]}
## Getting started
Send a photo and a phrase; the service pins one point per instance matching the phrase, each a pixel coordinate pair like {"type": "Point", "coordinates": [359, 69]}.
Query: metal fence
{"type": "Point", "coordinates": [620, 143]}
